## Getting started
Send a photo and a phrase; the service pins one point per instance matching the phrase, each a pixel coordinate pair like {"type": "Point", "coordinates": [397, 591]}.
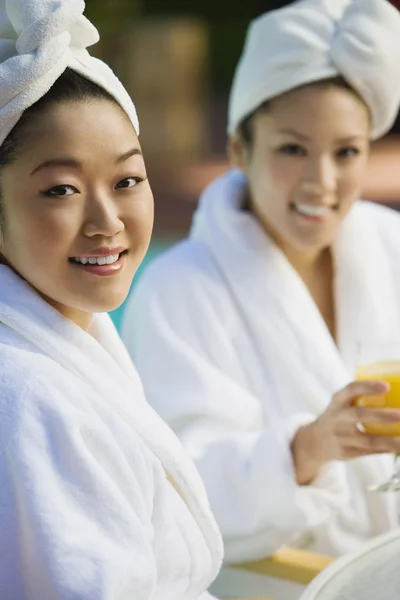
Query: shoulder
{"type": "Point", "coordinates": [32, 385]}
{"type": "Point", "coordinates": [182, 288]}
{"type": "Point", "coordinates": [22, 367]}
{"type": "Point", "coordinates": [185, 272]}
{"type": "Point", "coordinates": [180, 263]}
{"type": "Point", "coordinates": [387, 223]}
{"type": "Point", "coordinates": [381, 215]}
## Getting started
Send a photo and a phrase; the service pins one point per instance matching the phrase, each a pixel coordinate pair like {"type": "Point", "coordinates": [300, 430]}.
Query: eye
{"type": "Point", "coordinates": [128, 182]}
{"type": "Point", "coordinates": [292, 150]}
{"type": "Point", "coordinates": [348, 152]}
{"type": "Point", "coordinates": [61, 191]}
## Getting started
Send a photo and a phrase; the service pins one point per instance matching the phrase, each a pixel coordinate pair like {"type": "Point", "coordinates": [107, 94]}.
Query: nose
{"type": "Point", "coordinates": [102, 217]}
{"type": "Point", "coordinates": [319, 177]}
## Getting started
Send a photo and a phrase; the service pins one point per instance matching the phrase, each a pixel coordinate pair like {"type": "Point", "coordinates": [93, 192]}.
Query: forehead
{"type": "Point", "coordinates": [83, 128]}
{"type": "Point", "coordinates": [318, 108]}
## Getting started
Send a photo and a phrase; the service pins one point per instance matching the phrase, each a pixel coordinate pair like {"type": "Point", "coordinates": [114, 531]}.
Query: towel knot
{"type": "Point", "coordinates": [365, 52]}
{"type": "Point", "coordinates": [56, 23]}
{"type": "Point", "coordinates": [312, 40]}
{"type": "Point", "coordinates": [39, 39]}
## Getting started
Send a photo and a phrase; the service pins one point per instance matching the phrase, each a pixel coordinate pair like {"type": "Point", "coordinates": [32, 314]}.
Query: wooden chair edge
{"type": "Point", "coordinates": [292, 564]}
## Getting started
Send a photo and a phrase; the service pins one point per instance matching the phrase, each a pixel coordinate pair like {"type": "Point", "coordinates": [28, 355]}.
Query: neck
{"type": "Point", "coordinates": [316, 269]}
{"type": "Point", "coordinates": [307, 264]}
{"type": "Point", "coordinates": [79, 317]}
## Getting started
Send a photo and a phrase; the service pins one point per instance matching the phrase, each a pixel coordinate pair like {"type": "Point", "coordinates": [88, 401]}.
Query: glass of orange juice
{"type": "Point", "coordinates": [381, 361]}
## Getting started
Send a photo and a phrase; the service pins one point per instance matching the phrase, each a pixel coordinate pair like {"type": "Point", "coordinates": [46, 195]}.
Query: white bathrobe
{"type": "Point", "coordinates": [98, 500]}
{"type": "Point", "coordinates": [234, 355]}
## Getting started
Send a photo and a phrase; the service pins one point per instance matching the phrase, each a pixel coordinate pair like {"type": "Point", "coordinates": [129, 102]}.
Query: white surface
{"type": "Point", "coordinates": [370, 573]}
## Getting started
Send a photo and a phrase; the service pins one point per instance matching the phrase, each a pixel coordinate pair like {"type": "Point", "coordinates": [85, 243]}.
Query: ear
{"type": "Point", "coordinates": [238, 153]}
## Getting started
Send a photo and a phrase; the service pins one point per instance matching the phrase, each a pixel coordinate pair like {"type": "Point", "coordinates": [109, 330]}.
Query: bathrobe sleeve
{"type": "Point", "coordinates": [65, 523]}
{"type": "Point", "coordinates": [179, 329]}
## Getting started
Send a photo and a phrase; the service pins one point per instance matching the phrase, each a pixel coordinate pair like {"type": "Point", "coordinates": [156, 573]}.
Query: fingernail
{"type": "Point", "coordinates": [395, 415]}
{"type": "Point", "coordinates": [383, 385]}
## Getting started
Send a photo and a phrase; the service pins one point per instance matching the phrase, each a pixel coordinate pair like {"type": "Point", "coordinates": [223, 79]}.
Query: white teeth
{"type": "Point", "coordinates": [112, 259]}
{"type": "Point", "coordinates": [100, 260]}
{"type": "Point", "coordinates": [312, 211]}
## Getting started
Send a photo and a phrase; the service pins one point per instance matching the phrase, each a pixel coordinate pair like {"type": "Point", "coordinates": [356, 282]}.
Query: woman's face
{"type": "Point", "coordinates": [78, 208]}
{"type": "Point", "coordinates": [306, 165]}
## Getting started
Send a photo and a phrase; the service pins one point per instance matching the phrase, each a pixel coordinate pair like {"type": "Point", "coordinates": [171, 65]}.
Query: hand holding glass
{"type": "Point", "coordinates": [381, 362]}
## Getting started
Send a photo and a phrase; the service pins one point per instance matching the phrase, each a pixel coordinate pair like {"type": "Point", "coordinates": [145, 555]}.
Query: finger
{"type": "Point", "coordinates": [350, 453]}
{"type": "Point", "coordinates": [352, 420]}
{"type": "Point", "coordinates": [374, 444]}
{"type": "Point", "coordinates": [375, 415]}
{"type": "Point", "coordinates": [354, 390]}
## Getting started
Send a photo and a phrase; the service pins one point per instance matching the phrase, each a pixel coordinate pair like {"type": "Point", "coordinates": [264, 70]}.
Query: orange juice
{"type": "Point", "coordinates": [382, 371]}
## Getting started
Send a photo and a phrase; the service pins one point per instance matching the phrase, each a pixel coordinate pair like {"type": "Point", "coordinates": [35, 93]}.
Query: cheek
{"type": "Point", "coordinates": [351, 183]}
{"type": "Point", "coordinates": [138, 218]}
{"type": "Point", "coordinates": [47, 229]}
{"type": "Point", "coordinates": [286, 175]}
{"type": "Point", "coordinates": [274, 181]}
{"type": "Point", "coordinates": [37, 232]}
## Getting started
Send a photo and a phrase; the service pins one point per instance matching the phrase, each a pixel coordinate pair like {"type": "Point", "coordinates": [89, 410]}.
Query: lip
{"type": "Point", "coordinates": [313, 205]}
{"type": "Point", "coordinates": [101, 252]}
{"type": "Point", "coordinates": [312, 218]}
{"type": "Point", "coordinates": [101, 270]}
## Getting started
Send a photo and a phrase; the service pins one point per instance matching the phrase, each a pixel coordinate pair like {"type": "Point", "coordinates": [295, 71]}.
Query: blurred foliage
{"type": "Point", "coordinates": [211, 9]}
{"type": "Point", "coordinates": [226, 27]}
{"type": "Point", "coordinates": [226, 43]}
{"type": "Point", "coordinates": [111, 13]}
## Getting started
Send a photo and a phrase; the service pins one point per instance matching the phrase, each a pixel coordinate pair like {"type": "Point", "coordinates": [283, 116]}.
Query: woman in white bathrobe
{"type": "Point", "coordinates": [98, 500]}
{"type": "Point", "coordinates": [245, 334]}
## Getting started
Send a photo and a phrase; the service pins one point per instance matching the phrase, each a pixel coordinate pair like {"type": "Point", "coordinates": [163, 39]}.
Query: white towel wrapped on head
{"type": "Point", "coordinates": [39, 39]}
{"type": "Point", "coordinates": [312, 40]}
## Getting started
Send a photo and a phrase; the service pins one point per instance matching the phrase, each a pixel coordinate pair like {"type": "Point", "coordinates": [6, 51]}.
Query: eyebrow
{"type": "Point", "coordinates": [132, 152]}
{"type": "Point", "coordinates": [294, 133]}
{"type": "Point", "coordinates": [75, 164]}
{"type": "Point", "coordinates": [301, 136]}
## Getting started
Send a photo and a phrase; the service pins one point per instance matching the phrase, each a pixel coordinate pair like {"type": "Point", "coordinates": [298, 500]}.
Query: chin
{"type": "Point", "coordinates": [100, 303]}
{"type": "Point", "coordinates": [107, 305]}
{"type": "Point", "coordinates": [313, 243]}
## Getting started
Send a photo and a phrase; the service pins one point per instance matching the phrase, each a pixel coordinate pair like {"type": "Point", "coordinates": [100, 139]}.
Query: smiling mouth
{"type": "Point", "coordinates": [97, 260]}
{"type": "Point", "coordinates": [313, 211]}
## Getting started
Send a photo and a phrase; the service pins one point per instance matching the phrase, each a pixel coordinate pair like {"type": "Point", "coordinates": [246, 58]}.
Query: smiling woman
{"type": "Point", "coordinates": [246, 334]}
{"type": "Point", "coordinates": [79, 202]}
{"type": "Point", "coordinates": [94, 488]}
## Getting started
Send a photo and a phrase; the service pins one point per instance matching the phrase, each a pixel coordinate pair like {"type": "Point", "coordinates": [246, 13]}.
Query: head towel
{"type": "Point", "coordinates": [39, 39]}
{"type": "Point", "coordinates": [312, 40]}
